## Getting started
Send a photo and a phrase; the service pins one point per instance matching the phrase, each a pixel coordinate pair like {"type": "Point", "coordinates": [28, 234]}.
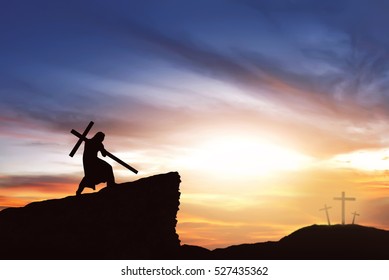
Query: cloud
{"type": "Point", "coordinates": [235, 63]}
{"type": "Point", "coordinates": [375, 211]}
{"type": "Point", "coordinates": [39, 183]}
{"type": "Point", "coordinates": [351, 89]}
{"type": "Point", "coordinates": [343, 92]}
{"type": "Point", "coordinates": [352, 92]}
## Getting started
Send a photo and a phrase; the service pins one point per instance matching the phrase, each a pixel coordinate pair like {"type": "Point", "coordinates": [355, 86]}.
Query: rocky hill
{"type": "Point", "coordinates": [134, 220]}
{"type": "Point", "coordinates": [137, 220]}
{"type": "Point", "coordinates": [317, 242]}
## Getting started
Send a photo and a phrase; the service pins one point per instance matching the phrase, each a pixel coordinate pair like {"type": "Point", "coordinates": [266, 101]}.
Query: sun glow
{"type": "Point", "coordinates": [375, 160]}
{"type": "Point", "coordinates": [239, 156]}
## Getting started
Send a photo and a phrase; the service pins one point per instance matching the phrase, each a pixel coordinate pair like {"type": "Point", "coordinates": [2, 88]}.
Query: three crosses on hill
{"type": "Point", "coordinates": [96, 170]}
{"type": "Point", "coordinates": [343, 199]}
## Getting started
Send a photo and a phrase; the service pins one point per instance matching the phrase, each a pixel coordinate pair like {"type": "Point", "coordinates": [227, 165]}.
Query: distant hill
{"type": "Point", "coordinates": [137, 220]}
{"type": "Point", "coordinates": [317, 242]}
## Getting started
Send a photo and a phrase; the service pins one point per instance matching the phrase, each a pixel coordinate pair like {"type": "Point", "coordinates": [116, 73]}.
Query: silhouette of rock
{"type": "Point", "coordinates": [133, 220]}
{"type": "Point", "coordinates": [318, 242]}
{"type": "Point", "coordinates": [265, 250]}
{"type": "Point", "coordinates": [137, 220]}
{"type": "Point", "coordinates": [191, 252]}
{"type": "Point", "coordinates": [337, 242]}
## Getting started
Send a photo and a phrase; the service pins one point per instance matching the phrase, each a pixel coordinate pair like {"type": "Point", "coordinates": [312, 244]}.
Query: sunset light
{"type": "Point", "coordinates": [367, 160]}
{"type": "Point", "coordinates": [266, 109]}
{"type": "Point", "coordinates": [238, 156]}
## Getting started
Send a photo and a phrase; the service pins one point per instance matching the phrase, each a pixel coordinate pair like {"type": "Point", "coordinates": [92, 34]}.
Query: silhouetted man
{"type": "Point", "coordinates": [96, 170]}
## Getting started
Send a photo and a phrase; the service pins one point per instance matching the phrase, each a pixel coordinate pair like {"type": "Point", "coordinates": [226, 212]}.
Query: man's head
{"type": "Point", "coordinates": [99, 136]}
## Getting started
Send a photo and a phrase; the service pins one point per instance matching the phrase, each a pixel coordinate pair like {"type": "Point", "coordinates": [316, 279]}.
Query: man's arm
{"type": "Point", "coordinates": [103, 151]}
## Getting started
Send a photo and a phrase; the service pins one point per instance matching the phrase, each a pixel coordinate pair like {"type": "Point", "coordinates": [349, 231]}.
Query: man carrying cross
{"type": "Point", "coordinates": [96, 170]}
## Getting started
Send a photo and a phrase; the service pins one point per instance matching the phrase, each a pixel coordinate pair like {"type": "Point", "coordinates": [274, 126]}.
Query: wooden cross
{"type": "Point", "coordinates": [355, 214]}
{"type": "Point", "coordinates": [82, 137]}
{"type": "Point", "coordinates": [326, 209]}
{"type": "Point", "coordinates": [343, 199]}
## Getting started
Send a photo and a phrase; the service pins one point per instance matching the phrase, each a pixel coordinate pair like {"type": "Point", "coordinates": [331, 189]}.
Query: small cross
{"type": "Point", "coordinates": [343, 199]}
{"type": "Point", "coordinates": [326, 209]}
{"type": "Point", "coordinates": [355, 214]}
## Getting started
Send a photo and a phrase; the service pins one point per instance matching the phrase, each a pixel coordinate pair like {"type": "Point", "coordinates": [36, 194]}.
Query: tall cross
{"type": "Point", "coordinates": [82, 137]}
{"type": "Point", "coordinates": [326, 209]}
{"type": "Point", "coordinates": [355, 214]}
{"type": "Point", "coordinates": [343, 199]}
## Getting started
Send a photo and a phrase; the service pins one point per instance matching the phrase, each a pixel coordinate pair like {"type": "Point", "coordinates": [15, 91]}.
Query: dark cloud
{"type": "Point", "coordinates": [364, 56]}
{"type": "Point", "coordinates": [108, 42]}
{"type": "Point", "coordinates": [37, 182]}
{"type": "Point", "coordinates": [113, 39]}
{"type": "Point", "coordinates": [60, 110]}
{"type": "Point", "coordinates": [357, 71]}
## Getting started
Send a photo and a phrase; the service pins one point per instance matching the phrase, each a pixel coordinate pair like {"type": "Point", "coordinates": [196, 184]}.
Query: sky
{"type": "Point", "coordinates": [267, 109]}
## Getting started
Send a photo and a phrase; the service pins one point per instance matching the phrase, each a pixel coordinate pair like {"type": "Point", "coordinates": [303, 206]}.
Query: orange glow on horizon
{"type": "Point", "coordinates": [244, 189]}
{"type": "Point", "coordinates": [242, 157]}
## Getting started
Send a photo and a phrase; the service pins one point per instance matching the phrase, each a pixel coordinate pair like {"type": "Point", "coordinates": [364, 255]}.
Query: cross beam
{"type": "Point", "coordinates": [343, 199]}
{"type": "Point", "coordinates": [82, 137]}
{"type": "Point", "coordinates": [355, 214]}
{"type": "Point", "coordinates": [326, 209]}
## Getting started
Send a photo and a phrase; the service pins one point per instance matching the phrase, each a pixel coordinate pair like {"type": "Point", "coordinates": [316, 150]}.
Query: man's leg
{"type": "Point", "coordinates": [110, 177]}
{"type": "Point", "coordinates": [81, 187]}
